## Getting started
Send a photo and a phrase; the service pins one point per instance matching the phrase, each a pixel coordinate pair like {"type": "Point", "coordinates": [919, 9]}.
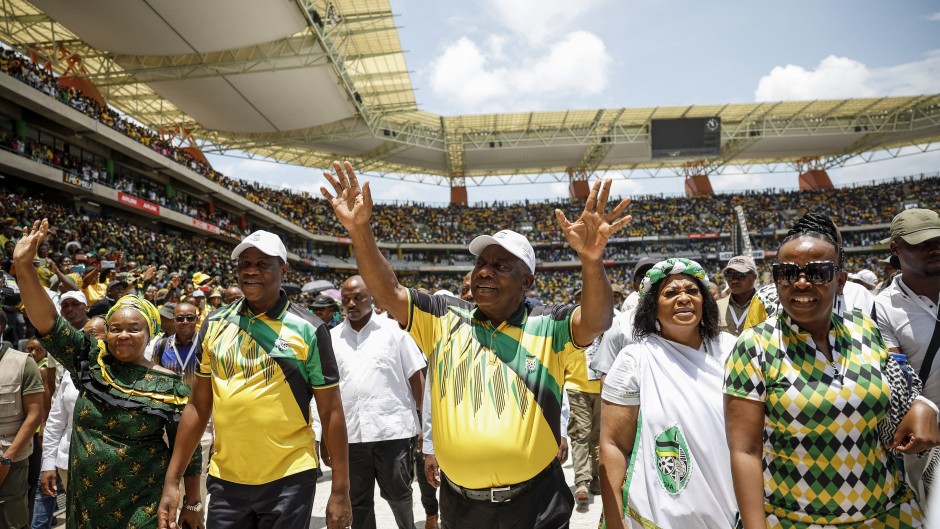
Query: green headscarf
{"type": "Point", "coordinates": [676, 265]}
{"type": "Point", "coordinates": [141, 305]}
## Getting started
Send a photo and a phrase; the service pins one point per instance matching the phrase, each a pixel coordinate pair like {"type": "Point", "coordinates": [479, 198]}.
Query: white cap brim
{"type": "Point", "coordinates": [247, 244]}
{"type": "Point", "coordinates": [481, 242]}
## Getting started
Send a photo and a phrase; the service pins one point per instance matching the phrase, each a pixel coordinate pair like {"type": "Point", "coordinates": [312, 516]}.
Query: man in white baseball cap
{"type": "Point", "coordinates": [74, 308]}
{"type": "Point", "coordinates": [267, 242]}
{"type": "Point", "coordinates": [491, 452]}
{"type": "Point", "coordinates": [514, 243]}
{"type": "Point", "coordinates": [263, 471]}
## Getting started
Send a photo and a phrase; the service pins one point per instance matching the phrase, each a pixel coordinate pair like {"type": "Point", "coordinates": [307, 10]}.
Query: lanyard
{"type": "Point", "coordinates": [738, 320]}
{"type": "Point", "coordinates": [916, 298]}
{"type": "Point", "coordinates": [189, 354]}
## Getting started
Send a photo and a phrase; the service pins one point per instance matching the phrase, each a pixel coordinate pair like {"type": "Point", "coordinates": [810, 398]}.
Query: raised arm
{"type": "Point", "coordinates": [39, 307]}
{"type": "Point", "coordinates": [353, 207]}
{"type": "Point", "coordinates": [588, 235]}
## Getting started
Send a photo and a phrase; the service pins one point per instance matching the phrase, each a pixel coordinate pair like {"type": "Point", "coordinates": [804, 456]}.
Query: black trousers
{"type": "Point", "coordinates": [286, 503]}
{"type": "Point", "coordinates": [391, 464]}
{"type": "Point", "coordinates": [428, 492]}
{"type": "Point", "coordinates": [546, 505]}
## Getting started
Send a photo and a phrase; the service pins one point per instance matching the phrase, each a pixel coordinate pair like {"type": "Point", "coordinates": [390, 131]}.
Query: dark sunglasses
{"type": "Point", "coordinates": [735, 276]}
{"type": "Point", "coordinates": [185, 318]}
{"type": "Point", "coordinates": [816, 272]}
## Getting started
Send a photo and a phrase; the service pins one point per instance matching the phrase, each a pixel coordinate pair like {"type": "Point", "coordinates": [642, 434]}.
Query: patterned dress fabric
{"type": "Point", "coordinates": [824, 458]}
{"type": "Point", "coordinates": [118, 456]}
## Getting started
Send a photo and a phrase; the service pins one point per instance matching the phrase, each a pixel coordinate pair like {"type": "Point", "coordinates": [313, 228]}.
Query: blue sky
{"type": "Point", "coordinates": [481, 56]}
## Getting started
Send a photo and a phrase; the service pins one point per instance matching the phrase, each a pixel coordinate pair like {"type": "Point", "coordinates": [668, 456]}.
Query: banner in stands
{"type": "Point", "coordinates": [76, 180]}
{"type": "Point", "coordinates": [138, 203]}
{"type": "Point", "coordinates": [757, 255]}
{"type": "Point", "coordinates": [703, 235]}
{"type": "Point", "coordinates": [205, 226]}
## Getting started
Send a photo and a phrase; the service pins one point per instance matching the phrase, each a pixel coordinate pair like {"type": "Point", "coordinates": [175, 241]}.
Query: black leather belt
{"type": "Point", "coordinates": [502, 494]}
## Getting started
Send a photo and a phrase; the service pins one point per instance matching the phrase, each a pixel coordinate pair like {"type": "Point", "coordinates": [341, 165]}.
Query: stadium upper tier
{"type": "Point", "coordinates": [310, 81]}
{"type": "Point", "coordinates": [413, 225]}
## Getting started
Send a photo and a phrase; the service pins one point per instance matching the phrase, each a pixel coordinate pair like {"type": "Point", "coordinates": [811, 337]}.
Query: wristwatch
{"type": "Point", "coordinates": [6, 461]}
{"type": "Point", "coordinates": [196, 507]}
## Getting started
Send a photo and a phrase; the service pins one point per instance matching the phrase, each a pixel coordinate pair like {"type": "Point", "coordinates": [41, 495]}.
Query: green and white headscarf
{"type": "Point", "coordinates": [676, 265]}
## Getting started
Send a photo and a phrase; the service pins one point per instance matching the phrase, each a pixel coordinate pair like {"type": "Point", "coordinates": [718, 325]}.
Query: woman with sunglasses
{"type": "Point", "coordinates": [814, 407]}
{"type": "Point", "coordinates": [661, 413]}
{"type": "Point", "coordinates": [126, 405]}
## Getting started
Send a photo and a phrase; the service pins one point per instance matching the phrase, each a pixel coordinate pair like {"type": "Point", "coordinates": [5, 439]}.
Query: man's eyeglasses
{"type": "Point", "coordinates": [735, 276]}
{"type": "Point", "coordinates": [816, 272]}
{"type": "Point", "coordinates": [184, 318]}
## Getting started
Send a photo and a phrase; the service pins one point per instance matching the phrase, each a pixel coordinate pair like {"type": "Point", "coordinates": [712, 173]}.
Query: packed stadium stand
{"type": "Point", "coordinates": [109, 183]}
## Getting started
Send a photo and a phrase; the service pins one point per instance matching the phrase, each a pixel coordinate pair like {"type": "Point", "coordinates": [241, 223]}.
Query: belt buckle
{"type": "Point", "coordinates": [498, 489]}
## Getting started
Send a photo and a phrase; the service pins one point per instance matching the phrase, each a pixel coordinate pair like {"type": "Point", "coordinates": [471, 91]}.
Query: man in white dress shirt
{"type": "Point", "coordinates": [381, 383]}
{"type": "Point", "coordinates": [907, 309]}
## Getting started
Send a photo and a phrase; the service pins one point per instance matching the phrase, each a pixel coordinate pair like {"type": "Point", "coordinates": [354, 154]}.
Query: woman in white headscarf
{"type": "Point", "coordinates": [662, 420]}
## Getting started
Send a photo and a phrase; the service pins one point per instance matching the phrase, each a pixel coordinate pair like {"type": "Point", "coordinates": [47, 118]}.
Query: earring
{"type": "Point", "coordinates": [659, 328]}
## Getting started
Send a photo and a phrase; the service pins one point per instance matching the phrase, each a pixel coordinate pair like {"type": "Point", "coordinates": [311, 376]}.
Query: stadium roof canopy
{"type": "Point", "coordinates": [310, 81]}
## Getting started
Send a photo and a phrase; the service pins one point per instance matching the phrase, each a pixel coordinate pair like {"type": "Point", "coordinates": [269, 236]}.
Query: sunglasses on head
{"type": "Point", "coordinates": [816, 272]}
{"type": "Point", "coordinates": [185, 318]}
{"type": "Point", "coordinates": [735, 276]}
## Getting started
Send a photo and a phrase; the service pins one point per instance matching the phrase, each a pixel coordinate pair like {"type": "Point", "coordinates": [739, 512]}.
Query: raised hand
{"type": "Point", "coordinates": [352, 204]}
{"type": "Point", "coordinates": [28, 246]}
{"type": "Point", "coordinates": [589, 233]}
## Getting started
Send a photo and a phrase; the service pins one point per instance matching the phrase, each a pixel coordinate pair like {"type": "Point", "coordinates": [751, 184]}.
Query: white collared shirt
{"type": "Point", "coordinates": [905, 324]}
{"type": "Point", "coordinates": [375, 365]}
{"type": "Point", "coordinates": [58, 431]}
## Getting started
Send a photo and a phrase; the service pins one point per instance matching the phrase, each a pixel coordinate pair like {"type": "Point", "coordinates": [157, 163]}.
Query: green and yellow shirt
{"type": "Point", "coordinates": [263, 370]}
{"type": "Point", "coordinates": [495, 392]}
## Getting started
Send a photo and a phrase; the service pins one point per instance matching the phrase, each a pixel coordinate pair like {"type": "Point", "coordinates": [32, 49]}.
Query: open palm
{"type": "Point", "coordinates": [589, 233]}
{"type": "Point", "coordinates": [352, 203]}
{"type": "Point", "coordinates": [28, 246]}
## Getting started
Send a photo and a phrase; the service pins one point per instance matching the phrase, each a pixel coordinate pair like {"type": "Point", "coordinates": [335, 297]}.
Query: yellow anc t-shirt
{"type": "Point", "coordinates": [263, 370]}
{"type": "Point", "coordinates": [578, 374]}
{"type": "Point", "coordinates": [95, 292]}
{"type": "Point", "coordinates": [495, 392]}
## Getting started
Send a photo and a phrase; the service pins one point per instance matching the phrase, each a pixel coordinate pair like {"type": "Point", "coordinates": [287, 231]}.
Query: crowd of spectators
{"type": "Point", "coordinates": [421, 223]}
{"type": "Point", "coordinates": [415, 222]}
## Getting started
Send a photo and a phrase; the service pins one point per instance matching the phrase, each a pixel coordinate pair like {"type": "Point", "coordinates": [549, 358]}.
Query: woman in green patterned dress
{"type": "Point", "coordinates": [812, 401]}
{"type": "Point", "coordinates": [126, 405]}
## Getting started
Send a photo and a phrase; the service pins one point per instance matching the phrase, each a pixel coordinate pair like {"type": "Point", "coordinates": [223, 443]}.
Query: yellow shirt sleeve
{"type": "Point", "coordinates": [756, 313]}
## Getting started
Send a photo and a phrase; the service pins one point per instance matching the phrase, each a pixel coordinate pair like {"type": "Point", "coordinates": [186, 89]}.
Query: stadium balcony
{"type": "Point", "coordinates": [660, 229]}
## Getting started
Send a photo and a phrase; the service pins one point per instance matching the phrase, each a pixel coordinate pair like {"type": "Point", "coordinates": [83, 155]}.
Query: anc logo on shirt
{"type": "Point", "coordinates": [530, 363]}
{"type": "Point", "coordinates": [673, 460]}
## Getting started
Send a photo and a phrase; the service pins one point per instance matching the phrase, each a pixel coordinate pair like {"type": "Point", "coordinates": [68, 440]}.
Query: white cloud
{"type": "Point", "coordinates": [841, 77]}
{"type": "Point", "coordinates": [933, 17]}
{"type": "Point", "coordinates": [492, 78]}
{"type": "Point", "coordinates": [537, 21]}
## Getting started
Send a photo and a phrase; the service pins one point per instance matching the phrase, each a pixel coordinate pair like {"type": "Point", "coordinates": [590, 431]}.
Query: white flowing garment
{"type": "Point", "coordinates": [680, 470]}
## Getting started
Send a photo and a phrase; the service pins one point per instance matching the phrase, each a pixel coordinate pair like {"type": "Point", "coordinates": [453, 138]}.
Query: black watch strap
{"type": "Point", "coordinates": [6, 461]}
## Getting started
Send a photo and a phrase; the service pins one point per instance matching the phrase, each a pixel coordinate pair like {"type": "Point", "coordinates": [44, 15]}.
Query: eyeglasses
{"type": "Point", "coordinates": [735, 276]}
{"type": "Point", "coordinates": [816, 272]}
{"type": "Point", "coordinates": [185, 318]}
